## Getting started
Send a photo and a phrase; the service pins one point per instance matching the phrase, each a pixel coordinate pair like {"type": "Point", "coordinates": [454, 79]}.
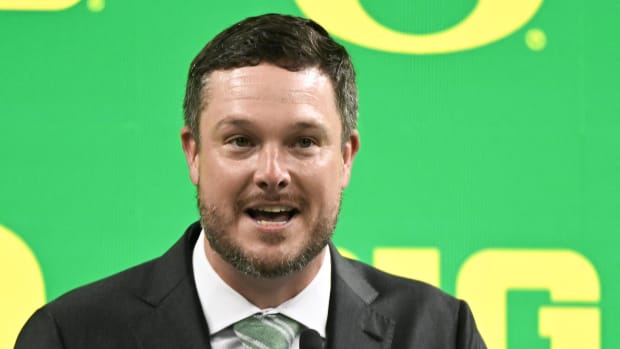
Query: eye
{"type": "Point", "coordinates": [305, 142]}
{"type": "Point", "coordinates": [240, 141]}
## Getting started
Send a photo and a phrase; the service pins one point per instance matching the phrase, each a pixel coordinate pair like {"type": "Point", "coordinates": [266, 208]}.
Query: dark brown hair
{"type": "Point", "coordinates": [289, 42]}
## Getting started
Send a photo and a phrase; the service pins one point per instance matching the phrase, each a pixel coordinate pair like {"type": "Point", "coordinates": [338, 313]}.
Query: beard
{"type": "Point", "coordinates": [215, 224]}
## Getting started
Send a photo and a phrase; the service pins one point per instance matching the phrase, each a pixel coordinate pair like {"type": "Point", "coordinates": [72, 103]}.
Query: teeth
{"type": "Point", "coordinates": [274, 209]}
{"type": "Point", "coordinates": [270, 223]}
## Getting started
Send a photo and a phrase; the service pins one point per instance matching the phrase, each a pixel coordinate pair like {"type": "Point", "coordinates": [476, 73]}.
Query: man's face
{"type": "Point", "coordinates": [270, 169]}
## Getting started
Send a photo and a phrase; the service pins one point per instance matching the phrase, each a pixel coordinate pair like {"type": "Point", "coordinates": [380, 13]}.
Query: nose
{"type": "Point", "coordinates": [271, 170]}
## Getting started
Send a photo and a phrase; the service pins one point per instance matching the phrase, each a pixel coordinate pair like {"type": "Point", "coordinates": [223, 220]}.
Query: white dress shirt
{"type": "Point", "coordinates": [223, 306]}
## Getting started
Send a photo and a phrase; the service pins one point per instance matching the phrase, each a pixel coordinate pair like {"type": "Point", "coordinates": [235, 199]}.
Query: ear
{"type": "Point", "coordinates": [190, 148]}
{"type": "Point", "coordinates": [348, 155]}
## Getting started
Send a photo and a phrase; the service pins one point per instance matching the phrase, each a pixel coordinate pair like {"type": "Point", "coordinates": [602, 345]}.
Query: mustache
{"type": "Point", "coordinates": [270, 197]}
{"type": "Point", "coordinates": [244, 201]}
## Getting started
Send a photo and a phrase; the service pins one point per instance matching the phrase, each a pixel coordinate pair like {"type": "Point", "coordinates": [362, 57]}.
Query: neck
{"type": "Point", "coordinates": [264, 292]}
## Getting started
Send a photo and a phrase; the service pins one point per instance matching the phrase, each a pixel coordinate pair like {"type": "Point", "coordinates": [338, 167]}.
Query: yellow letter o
{"type": "Point", "coordinates": [489, 21]}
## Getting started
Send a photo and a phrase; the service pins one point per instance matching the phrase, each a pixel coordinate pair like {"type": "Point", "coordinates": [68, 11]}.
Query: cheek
{"type": "Point", "coordinates": [219, 176]}
{"type": "Point", "coordinates": [213, 164]}
{"type": "Point", "coordinates": [323, 181]}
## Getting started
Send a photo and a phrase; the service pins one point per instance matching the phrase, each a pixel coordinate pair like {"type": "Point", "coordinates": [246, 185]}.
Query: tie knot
{"type": "Point", "coordinates": [273, 331]}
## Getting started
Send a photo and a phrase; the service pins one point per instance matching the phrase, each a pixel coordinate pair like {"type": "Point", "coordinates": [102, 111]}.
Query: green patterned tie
{"type": "Point", "coordinates": [273, 331]}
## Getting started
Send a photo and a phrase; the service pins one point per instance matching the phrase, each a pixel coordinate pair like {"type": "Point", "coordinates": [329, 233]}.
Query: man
{"type": "Point", "coordinates": [270, 138]}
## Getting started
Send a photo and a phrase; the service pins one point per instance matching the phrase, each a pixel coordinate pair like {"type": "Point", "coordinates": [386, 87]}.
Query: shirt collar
{"type": "Point", "coordinates": [223, 306]}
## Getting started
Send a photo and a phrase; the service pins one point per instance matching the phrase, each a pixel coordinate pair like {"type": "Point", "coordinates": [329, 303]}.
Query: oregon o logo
{"type": "Point", "coordinates": [22, 289]}
{"type": "Point", "coordinates": [489, 21]}
{"type": "Point", "coordinates": [40, 5]}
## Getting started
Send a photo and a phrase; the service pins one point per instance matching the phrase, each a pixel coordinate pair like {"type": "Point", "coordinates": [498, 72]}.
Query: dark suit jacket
{"type": "Point", "coordinates": [155, 305]}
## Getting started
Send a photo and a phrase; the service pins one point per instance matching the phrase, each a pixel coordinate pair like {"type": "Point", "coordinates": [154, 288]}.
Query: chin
{"type": "Point", "coordinates": [270, 257]}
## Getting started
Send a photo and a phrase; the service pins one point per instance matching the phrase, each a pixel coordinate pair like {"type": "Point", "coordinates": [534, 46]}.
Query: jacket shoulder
{"type": "Point", "coordinates": [423, 314]}
{"type": "Point", "coordinates": [107, 292]}
{"type": "Point", "coordinates": [91, 311]}
{"type": "Point", "coordinates": [390, 286]}
{"type": "Point", "coordinates": [107, 313]}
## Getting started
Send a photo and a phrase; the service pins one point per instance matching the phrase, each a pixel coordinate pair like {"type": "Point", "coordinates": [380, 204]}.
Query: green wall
{"type": "Point", "coordinates": [501, 162]}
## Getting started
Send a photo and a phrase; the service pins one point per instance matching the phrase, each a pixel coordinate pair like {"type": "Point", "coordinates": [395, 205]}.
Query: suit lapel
{"type": "Point", "coordinates": [352, 320]}
{"type": "Point", "coordinates": [176, 319]}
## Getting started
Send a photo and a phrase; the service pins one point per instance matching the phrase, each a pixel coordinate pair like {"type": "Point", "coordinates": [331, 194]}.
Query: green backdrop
{"type": "Point", "coordinates": [499, 164]}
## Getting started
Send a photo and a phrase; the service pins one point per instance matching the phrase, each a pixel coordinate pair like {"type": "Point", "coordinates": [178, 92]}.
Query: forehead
{"type": "Point", "coordinates": [266, 85]}
{"type": "Point", "coordinates": [270, 76]}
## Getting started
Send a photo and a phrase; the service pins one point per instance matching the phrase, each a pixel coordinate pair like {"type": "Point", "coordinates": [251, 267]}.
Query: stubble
{"type": "Point", "coordinates": [215, 224]}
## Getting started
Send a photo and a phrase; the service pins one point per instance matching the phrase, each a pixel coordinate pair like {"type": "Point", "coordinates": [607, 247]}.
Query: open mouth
{"type": "Point", "coordinates": [272, 215]}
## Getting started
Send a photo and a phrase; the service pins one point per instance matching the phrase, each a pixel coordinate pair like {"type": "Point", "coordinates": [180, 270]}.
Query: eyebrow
{"type": "Point", "coordinates": [305, 125]}
{"type": "Point", "coordinates": [232, 121]}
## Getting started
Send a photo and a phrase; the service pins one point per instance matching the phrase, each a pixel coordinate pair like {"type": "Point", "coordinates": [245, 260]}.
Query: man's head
{"type": "Point", "coordinates": [269, 147]}
{"type": "Point", "coordinates": [289, 42]}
